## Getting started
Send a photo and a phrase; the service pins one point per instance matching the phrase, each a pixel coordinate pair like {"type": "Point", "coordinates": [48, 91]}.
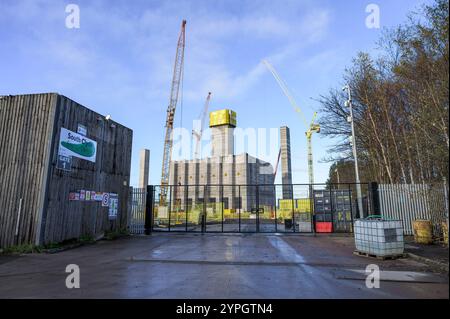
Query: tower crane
{"type": "Point", "coordinates": [174, 92]}
{"type": "Point", "coordinates": [311, 128]}
{"type": "Point", "coordinates": [198, 135]}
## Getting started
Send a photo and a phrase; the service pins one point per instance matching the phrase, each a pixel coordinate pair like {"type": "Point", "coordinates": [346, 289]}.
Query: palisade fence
{"type": "Point", "coordinates": [409, 202]}
{"type": "Point", "coordinates": [136, 219]}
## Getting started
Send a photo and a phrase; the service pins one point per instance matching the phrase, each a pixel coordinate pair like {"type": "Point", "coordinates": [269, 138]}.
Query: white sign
{"type": "Point", "coordinates": [105, 200]}
{"type": "Point", "coordinates": [82, 130]}
{"type": "Point", "coordinates": [98, 197]}
{"type": "Point", "coordinates": [113, 205]}
{"type": "Point", "coordinates": [77, 145]}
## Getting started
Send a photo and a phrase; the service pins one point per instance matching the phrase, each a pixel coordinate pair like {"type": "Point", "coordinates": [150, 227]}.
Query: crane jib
{"type": "Point", "coordinates": [310, 129]}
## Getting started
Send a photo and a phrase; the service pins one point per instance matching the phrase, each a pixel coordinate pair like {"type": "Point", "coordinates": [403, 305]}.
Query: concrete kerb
{"type": "Point", "coordinates": [438, 264]}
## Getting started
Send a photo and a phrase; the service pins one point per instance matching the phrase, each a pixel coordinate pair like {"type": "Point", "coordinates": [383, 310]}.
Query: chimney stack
{"type": "Point", "coordinates": [286, 170]}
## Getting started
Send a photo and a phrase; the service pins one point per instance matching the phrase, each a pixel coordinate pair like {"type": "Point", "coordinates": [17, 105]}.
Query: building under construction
{"type": "Point", "coordinates": [234, 192]}
{"type": "Point", "coordinates": [223, 172]}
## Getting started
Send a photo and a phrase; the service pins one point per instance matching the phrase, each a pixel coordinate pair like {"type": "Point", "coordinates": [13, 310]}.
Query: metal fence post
{"type": "Point", "coordinates": [221, 202]}
{"type": "Point", "coordinates": [204, 208]}
{"type": "Point", "coordinates": [352, 218]}
{"type": "Point", "coordinates": [257, 208]}
{"type": "Point", "coordinates": [374, 198]}
{"type": "Point", "coordinates": [293, 209]}
{"type": "Point", "coordinates": [240, 206]}
{"type": "Point", "coordinates": [351, 203]}
{"type": "Point", "coordinates": [149, 210]}
{"type": "Point", "coordinates": [312, 208]}
{"type": "Point", "coordinates": [129, 210]}
{"type": "Point", "coordinates": [275, 207]}
{"type": "Point", "coordinates": [186, 193]}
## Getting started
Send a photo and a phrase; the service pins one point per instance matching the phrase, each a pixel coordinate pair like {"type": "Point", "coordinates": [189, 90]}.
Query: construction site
{"type": "Point", "coordinates": [230, 192]}
{"type": "Point", "coordinates": [246, 203]}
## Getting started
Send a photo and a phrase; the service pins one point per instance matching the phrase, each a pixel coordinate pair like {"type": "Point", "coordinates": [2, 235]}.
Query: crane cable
{"type": "Point", "coordinates": [286, 92]}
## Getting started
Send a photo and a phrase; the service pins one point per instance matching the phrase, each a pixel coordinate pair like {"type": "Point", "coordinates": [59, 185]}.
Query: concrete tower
{"type": "Point", "coordinates": [144, 167]}
{"type": "Point", "coordinates": [286, 170]}
{"type": "Point", "coordinates": [222, 124]}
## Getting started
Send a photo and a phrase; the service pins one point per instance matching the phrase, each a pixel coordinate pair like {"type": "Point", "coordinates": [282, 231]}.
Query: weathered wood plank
{"type": "Point", "coordinates": [24, 162]}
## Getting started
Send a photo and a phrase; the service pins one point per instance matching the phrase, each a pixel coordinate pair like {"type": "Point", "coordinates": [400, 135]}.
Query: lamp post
{"type": "Point", "coordinates": [355, 155]}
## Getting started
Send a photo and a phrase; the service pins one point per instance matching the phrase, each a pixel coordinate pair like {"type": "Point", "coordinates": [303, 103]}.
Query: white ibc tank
{"type": "Point", "coordinates": [379, 237]}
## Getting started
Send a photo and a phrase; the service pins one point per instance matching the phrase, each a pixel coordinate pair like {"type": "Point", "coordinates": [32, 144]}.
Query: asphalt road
{"type": "Point", "coordinates": [217, 266]}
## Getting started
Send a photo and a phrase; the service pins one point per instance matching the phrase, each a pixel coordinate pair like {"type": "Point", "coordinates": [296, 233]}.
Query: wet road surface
{"type": "Point", "coordinates": [217, 266]}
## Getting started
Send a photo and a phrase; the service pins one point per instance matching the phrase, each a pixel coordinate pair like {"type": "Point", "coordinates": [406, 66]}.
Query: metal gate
{"type": "Point", "coordinates": [242, 208]}
{"type": "Point", "coordinates": [298, 208]}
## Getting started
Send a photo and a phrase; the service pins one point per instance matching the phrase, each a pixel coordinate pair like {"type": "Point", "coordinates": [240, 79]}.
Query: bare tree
{"type": "Point", "coordinates": [400, 103]}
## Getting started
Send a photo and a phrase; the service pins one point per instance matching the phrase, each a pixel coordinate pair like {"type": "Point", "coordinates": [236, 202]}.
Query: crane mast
{"type": "Point", "coordinates": [174, 92]}
{"type": "Point", "coordinates": [198, 135]}
{"type": "Point", "coordinates": [312, 128]}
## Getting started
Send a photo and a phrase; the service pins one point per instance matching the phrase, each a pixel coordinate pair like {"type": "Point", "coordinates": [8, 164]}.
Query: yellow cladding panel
{"type": "Point", "coordinates": [287, 204]}
{"type": "Point", "coordinates": [304, 205]}
{"type": "Point", "coordinates": [233, 121]}
{"type": "Point", "coordinates": [222, 117]}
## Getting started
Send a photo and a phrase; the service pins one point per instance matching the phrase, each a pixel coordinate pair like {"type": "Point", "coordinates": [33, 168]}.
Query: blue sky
{"type": "Point", "coordinates": [120, 60]}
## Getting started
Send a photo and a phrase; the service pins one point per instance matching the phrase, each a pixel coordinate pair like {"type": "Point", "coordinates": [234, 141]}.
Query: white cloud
{"type": "Point", "coordinates": [147, 38]}
{"type": "Point", "coordinates": [212, 72]}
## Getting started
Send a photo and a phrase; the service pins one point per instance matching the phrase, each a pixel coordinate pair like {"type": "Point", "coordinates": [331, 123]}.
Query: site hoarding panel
{"type": "Point", "coordinates": [54, 205]}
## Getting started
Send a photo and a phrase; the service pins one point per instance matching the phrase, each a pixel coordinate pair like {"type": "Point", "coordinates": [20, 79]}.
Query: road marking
{"type": "Point", "coordinates": [285, 250]}
{"type": "Point", "coordinates": [390, 275]}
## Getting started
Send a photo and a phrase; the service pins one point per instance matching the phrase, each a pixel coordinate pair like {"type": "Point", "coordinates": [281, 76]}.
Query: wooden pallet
{"type": "Point", "coordinates": [390, 257]}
